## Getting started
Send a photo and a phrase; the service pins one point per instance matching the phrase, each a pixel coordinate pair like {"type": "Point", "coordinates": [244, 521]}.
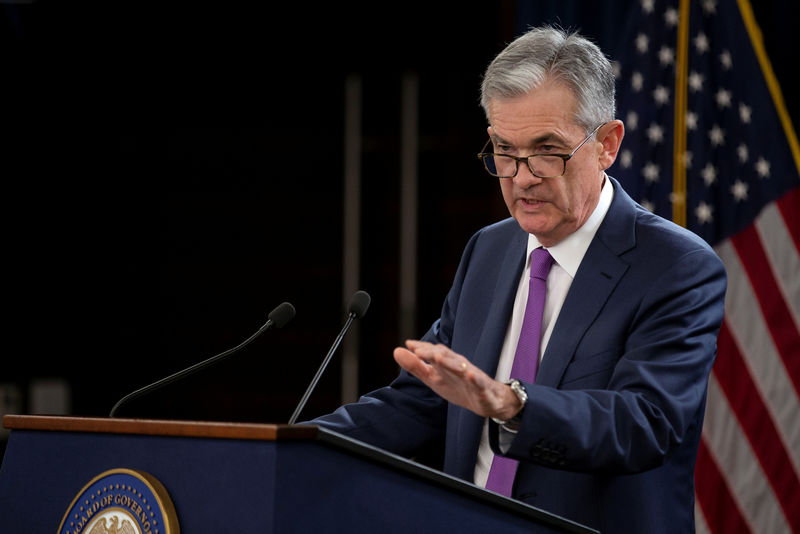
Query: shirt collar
{"type": "Point", "coordinates": [569, 252]}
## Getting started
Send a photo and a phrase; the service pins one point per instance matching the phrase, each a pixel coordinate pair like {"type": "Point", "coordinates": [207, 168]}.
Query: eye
{"type": "Point", "coordinates": [544, 149]}
{"type": "Point", "coordinates": [503, 148]}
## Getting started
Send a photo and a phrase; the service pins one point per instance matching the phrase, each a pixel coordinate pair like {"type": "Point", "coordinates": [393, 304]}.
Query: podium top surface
{"type": "Point", "coordinates": [198, 429]}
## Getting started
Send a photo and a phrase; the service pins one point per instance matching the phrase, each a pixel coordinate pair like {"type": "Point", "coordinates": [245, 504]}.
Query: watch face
{"type": "Point", "coordinates": [519, 390]}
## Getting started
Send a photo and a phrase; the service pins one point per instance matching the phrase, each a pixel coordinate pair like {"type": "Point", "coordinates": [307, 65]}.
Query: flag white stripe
{"type": "Point", "coordinates": [749, 331]}
{"type": "Point", "coordinates": [729, 446]}
{"type": "Point", "coordinates": [783, 256]}
{"type": "Point", "coordinates": [700, 525]}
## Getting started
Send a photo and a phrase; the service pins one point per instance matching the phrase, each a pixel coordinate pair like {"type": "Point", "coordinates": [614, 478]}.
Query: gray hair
{"type": "Point", "coordinates": [551, 54]}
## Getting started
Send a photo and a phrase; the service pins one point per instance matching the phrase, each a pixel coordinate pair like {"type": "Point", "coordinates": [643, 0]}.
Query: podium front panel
{"type": "Point", "coordinates": [252, 483]}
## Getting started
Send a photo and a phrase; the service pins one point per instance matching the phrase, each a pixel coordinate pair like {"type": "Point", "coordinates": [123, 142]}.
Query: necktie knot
{"type": "Point", "coordinates": [541, 261]}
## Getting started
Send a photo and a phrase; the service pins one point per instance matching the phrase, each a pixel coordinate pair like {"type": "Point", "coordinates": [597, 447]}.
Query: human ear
{"type": "Point", "coordinates": [610, 135]}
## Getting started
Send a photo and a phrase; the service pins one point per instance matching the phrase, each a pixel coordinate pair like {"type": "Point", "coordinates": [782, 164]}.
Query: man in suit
{"type": "Point", "coordinates": [605, 420]}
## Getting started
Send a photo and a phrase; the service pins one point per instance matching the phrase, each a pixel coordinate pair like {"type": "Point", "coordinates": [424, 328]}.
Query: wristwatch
{"type": "Point", "coordinates": [519, 390]}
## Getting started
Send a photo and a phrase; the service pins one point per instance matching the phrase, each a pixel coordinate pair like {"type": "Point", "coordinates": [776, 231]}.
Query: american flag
{"type": "Point", "coordinates": [709, 144]}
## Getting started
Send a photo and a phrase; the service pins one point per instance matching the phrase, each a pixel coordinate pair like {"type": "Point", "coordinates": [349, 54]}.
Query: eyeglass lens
{"type": "Point", "coordinates": [541, 165]}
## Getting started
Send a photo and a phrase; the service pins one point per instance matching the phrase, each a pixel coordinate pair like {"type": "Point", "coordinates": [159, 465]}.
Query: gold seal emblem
{"type": "Point", "coordinates": [98, 527]}
{"type": "Point", "coordinates": [121, 501]}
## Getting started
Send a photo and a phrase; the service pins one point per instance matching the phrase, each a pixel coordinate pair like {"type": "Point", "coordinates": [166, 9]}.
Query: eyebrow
{"type": "Point", "coordinates": [542, 139]}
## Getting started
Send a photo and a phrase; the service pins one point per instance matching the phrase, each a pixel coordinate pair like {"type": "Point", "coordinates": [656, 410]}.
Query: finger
{"type": "Point", "coordinates": [413, 343]}
{"type": "Point", "coordinates": [450, 362]}
{"type": "Point", "coordinates": [411, 362]}
{"type": "Point", "coordinates": [420, 348]}
{"type": "Point", "coordinates": [439, 355]}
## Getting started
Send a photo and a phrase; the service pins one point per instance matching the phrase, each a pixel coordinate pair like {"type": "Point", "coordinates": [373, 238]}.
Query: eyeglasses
{"type": "Point", "coordinates": [540, 165]}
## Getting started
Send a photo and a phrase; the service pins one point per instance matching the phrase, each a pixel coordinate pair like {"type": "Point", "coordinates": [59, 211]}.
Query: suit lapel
{"type": "Point", "coordinates": [599, 273]}
{"type": "Point", "coordinates": [487, 352]}
{"type": "Point", "coordinates": [467, 425]}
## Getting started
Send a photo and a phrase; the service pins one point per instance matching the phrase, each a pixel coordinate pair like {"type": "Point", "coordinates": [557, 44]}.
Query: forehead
{"type": "Point", "coordinates": [545, 112]}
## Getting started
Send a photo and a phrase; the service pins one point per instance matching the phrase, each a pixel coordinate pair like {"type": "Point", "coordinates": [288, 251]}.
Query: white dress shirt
{"type": "Point", "coordinates": [568, 255]}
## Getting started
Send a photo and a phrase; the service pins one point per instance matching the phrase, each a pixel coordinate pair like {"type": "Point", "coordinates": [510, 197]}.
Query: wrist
{"type": "Point", "coordinates": [518, 399]}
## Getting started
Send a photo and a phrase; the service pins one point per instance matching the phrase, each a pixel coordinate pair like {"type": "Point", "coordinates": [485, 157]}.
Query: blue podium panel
{"type": "Point", "coordinates": [334, 492]}
{"type": "Point", "coordinates": [215, 484]}
{"type": "Point", "coordinates": [247, 478]}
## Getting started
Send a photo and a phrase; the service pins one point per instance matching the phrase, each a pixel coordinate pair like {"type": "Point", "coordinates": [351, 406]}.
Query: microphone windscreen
{"type": "Point", "coordinates": [281, 315]}
{"type": "Point", "coordinates": [359, 304]}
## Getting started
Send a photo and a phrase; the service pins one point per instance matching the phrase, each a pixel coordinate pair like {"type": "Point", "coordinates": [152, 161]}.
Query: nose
{"type": "Point", "coordinates": [525, 177]}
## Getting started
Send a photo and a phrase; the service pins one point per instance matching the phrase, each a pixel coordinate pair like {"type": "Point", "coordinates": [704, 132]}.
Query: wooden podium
{"type": "Point", "coordinates": [231, 477]}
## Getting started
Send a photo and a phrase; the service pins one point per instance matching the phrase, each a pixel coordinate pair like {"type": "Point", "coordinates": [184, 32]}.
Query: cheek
{"type": "Point", "coordinates": [573, 193]}
{"type": "Point", "coordinates": [569, 198]}
{"type": "Point", "coordinates": [562, 196]}
{"type": "Point", "coordinates": [578, 200]}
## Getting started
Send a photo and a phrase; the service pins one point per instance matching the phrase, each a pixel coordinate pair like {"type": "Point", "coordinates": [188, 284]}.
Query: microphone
{"type": "Point", "coordinates": [278, 317]}
{"type": "Point", "coordinates": [359, 303]}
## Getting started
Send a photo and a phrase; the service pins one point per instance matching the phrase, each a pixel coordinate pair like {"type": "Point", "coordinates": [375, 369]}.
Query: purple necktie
{"type": "Point", "coordinates": [526, 359]}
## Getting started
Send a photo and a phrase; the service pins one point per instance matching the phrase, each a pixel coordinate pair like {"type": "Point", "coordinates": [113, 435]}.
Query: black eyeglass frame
{"type": "Point", "coordinates": [517, 159]}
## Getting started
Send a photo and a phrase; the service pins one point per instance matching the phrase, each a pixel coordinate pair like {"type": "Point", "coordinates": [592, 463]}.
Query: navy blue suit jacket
{"type": "Point", "coordinates": [610, 432]}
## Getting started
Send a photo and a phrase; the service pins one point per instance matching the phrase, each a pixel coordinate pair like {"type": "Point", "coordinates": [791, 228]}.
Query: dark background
{"type": "Point", "coordinates": [171, 175]}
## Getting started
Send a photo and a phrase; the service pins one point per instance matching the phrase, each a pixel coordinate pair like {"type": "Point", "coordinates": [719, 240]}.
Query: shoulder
{"type": "Point", "coordinates": [499, 234]}
{"type": "Point", "coordinates": [628, 225]}
{"type": "Point", "coordinates": [654, 248]}
{"type": "Point", "coordinates": [506, 227]}
{"type": "Point", "coordinates": [492, 242]}
{"type": "Point", "coordinates": [492, 247]}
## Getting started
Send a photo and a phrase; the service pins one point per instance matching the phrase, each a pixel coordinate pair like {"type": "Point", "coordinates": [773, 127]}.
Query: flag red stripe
{"type": "Point", "coordinates": [714, 496]}
{"type": "Point", "coordinates": [746, 402]}
{"type": "Point", "coordinates": [789, 205]}
{"type": "Point", "coordinates": [777, 315]}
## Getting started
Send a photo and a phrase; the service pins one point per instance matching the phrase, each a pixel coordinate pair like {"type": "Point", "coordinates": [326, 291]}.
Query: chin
{"type": "Point", "coordinates": [540, 233]}
{"type": "Point", "coordinates": [536, 225]}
